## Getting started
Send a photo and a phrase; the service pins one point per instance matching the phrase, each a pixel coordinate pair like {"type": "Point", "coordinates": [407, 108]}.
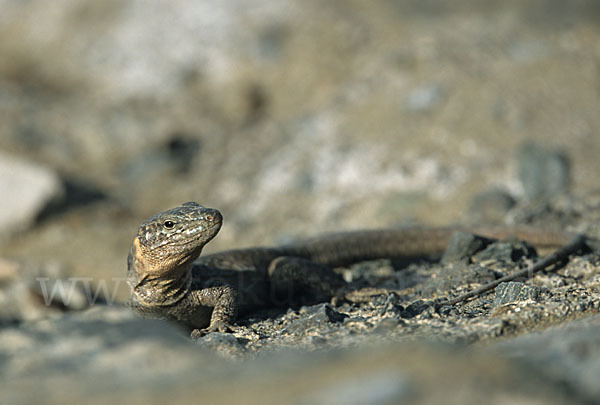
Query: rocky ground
{"type": "Point", "coordinates": [296, 118]}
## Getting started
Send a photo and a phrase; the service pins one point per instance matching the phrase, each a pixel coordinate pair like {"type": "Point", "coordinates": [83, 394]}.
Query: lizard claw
{"type": "Point", "coordinates": [339, 297]}
{"type": "Point", "coordinates": [197, 334]}
{"type": "Point", "coordinates": [223, 327]}
{"type": "Point", "coordinates": [337, 300]}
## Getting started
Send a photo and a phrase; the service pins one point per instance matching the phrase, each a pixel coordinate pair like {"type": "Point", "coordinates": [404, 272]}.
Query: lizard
{"type": "Point", "coordinates": [169, 279]}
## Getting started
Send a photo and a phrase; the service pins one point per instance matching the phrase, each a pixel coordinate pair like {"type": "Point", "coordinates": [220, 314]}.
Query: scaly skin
{"type": "Point", "coordinates": [169, 281]}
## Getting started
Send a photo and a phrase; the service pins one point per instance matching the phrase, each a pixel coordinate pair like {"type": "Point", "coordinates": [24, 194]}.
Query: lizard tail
{"type": "Point", "coordinates": [416, 242]}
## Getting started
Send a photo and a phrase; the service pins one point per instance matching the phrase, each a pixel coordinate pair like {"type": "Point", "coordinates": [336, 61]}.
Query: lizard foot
{"type": "Point", "coordinates": [223, 327]}
{"type": "Point", "coordinates": [339, 297]}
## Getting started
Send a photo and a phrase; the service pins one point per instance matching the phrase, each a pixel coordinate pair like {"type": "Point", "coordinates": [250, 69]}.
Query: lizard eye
{"type": "Point", "coordinates": [168, 224]}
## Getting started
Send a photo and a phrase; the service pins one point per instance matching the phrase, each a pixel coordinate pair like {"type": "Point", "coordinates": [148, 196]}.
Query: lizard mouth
{"type": "Point", "coordinates": [215, 224]}
{"type": "Point", "coordinates": [202, 235]}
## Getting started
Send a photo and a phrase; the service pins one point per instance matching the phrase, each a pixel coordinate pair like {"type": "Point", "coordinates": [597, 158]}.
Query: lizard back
{"type": "Point", "coordinates": [343, 248]}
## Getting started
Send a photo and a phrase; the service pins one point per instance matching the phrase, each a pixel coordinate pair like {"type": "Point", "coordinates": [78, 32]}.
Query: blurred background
{"type": "Point", "coordinates": [291, 117]}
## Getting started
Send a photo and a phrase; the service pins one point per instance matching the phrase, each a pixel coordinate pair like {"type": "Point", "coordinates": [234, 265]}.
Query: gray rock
{"type": "Point", "coordinates": [527, 51]}
{"type": "Point", "coordinates": [376, 388]}
{"type": "Point", "coordinates": [318, 316]}
{"type": "Point", "coordinates": [569, 355]}
{"type": "Point", "coordinates": [26, 188]}
{"type": "Point", "coordinates": [30, 293]}
{"type": "Point", "coordinates": [515, 291]}
{"type": "Point", "coordinates": [224, 343]}
{"type": "Point", "coordinates": [417, 308]}
{"type": "Point", "coordinates": [94, 341]}
{"type": "Point", "coordinates": [96, 351]}
{"type": "Point", "coordinates": [543, 172]}
{"type": "Point", "coordinates": [490, 206]}
{"type": "Point", "coordinates": [323, 313]}
{"type": "Point", "coordinates": [107, 356]}
{"type": "Point", "coordinates": [462, 246]}
{"type": "Point", "coordinates": [62, 292]}
{"type": "Point", "coordinates": [424, 99]}
{"type": "Point", "coordinates": [386, 325]}
{"type": "Point", "coordinates": [508, 250]}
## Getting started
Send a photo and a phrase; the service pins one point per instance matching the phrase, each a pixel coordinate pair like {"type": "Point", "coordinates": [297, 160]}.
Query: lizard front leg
{"type": "Point", "coordinates": [224, 301]}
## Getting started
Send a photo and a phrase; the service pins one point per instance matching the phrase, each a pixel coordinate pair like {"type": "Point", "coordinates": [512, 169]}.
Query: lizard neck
{"type": "Point", "coordinates": [157, 288]}
{"type": "Point", "coordinates": [161, 291]}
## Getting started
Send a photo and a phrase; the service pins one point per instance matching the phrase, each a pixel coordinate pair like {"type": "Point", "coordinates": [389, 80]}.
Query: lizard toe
{"type": "Point", "coordinates": [223, 327]}
{"type": "Point", "coordinates": [197, 334]}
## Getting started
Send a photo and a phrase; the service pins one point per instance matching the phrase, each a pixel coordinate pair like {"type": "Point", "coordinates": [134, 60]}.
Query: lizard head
{"type": "Point", "coordinates": [172, 239]}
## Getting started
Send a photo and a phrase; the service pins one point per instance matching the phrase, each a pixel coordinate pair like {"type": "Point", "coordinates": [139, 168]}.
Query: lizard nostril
{"type": "Point", "coordinates": [209, 217]}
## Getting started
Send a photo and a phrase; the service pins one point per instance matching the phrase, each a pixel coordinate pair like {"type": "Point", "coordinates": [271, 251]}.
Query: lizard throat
{"type": "Point", "coordinates": [161, 291]}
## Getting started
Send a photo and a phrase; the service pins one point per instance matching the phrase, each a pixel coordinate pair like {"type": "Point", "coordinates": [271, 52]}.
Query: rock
{"type": "Point", "coordinates": [379, 387]}
{"type": "Point", "coordinates": [386, 325]}
{"type": "Point", "coordinates": [225, 344]}
{"type": "Point", "coordinates": [106, 355]}
{"type": "Point", "coordinates": [26, 188]}
{"type": "Point", "coordinates": [508, 250]}
{"type": "Point", "coordinates": [63, 292]}
{"type": "Point", "coordinates": [416, 308]}
{"type": "Point", "coordinates": [96, 339]}
{"type": "Point", "coordinates": [462, 246]}
{"type": "Point", "coordinates": [78, 192]}
{"type": "Point", "coordinates": [424, 99]}
{"type": "Point", "coordinates": [32, 293]}
{"type": "Point", "coordinates": [490, 206]}
{"type": "Point", "coordinates": [319, 316]}
{"type": "Point", "coordinates": [174, 157]}
{"type": "Point", "coordinates": [515, 291]}
{"type": "Point", "coordinates": [392, 305]}
{"type": "Point", "coordinates": [370, 271]}
{"type": "Point", "coordinates": [9, 270]}
{"type": "Point", "coordinates": [355, 319]}
{"type": "Point", "coordinates": [544, 172]}
{"type": "Point", "coordinates": [110, 353]}
{"type": "Point", "coordinates": [568, 354]}
{"type": "Point", "coordinates": [323, 313]}
{"type": "Point", "coordinates": [455, 275]}
{"type": "Point", "coordinates": [527, 51]}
